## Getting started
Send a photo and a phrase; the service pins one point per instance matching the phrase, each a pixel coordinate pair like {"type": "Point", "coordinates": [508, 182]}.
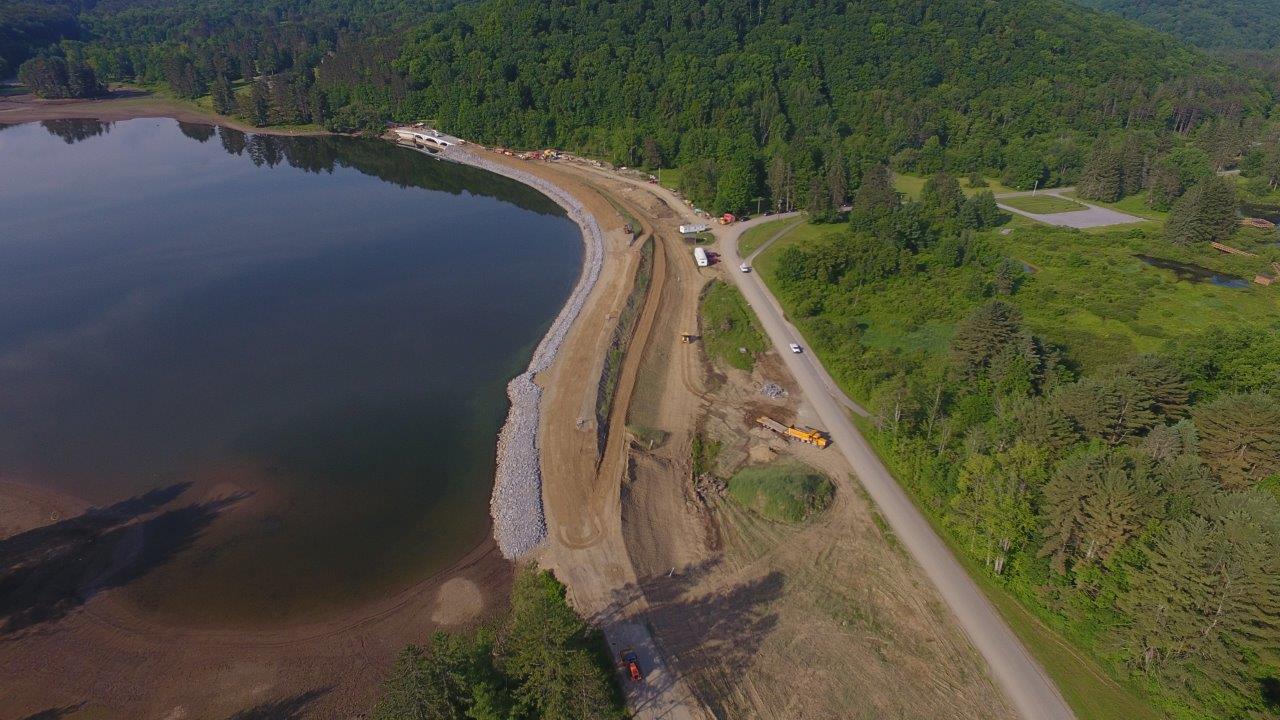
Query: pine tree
{"type": "Point", "coordinates": [545, 647]}
{"type": "Point", "coordinates": [1240, 438]}
{"type": "Point", "coordinates": [1008, 273]}
{"type": "Point", "coordinates": [1206, 213]}
{"type": "Point", "coordinates": [224, 98]}
{"type": "Point", "coordinates": [1095, 503]}
{"type": "Point", "coordinates": [1103, 176]}
{"type": "Point", "coordinates": [426, 683]}
{"type": "Point", "coordinates": [876, 196]}
{"type": "Point", "coordinates": [985, 334]}
{"type": "Point", "coordinates": [1164, 187]}
{"type": "Point", "coordinates": [1133, 165]}
{"type": "Point", "coordinates": [1207, 602]}
{"type": "Point", "coordinates": [257, 106]}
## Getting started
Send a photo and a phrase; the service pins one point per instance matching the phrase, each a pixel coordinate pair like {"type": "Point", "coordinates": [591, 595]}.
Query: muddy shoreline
{"type": "Point", "coordinates": [121, 104]}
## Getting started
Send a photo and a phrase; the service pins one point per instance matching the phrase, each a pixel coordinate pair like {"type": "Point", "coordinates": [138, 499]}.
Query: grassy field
{"type": "Point", "coordinates": [911, 185]}
{"type": "Point", "coordinates": [1042, 204]}
{"type": "Point", "coordinates": [668, 177]}
{"type": "Point", "coordinates": [760, 234]}
{"type": "Point", "coordinates": [1085, 291]}
{"type": "Point", "coordinates": [729, 327]}
{"type": "Point", "coordinates": [801, 234]}
{"type": "Point", "coordinates": [785, 491]}
{"type": "Point", "coordinates": [1133, 205]}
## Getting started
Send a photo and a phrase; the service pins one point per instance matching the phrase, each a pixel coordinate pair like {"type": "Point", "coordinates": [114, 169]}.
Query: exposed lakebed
{"type": "Point", "coordinates": [304, 342]}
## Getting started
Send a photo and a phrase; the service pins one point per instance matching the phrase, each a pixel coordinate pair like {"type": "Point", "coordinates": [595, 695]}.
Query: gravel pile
{"type": "Point", "coordinates": [772, 390]}
{"type": "Point", "coordinates": [519, 523]}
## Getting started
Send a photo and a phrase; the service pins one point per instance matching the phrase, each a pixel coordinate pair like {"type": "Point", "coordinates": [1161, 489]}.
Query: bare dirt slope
{"type": "Point", "coordinates": [830, 620]}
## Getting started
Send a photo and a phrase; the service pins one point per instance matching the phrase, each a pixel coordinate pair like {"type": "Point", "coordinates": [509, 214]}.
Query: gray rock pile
{"type": "Point", "coordinates": [519, 522]}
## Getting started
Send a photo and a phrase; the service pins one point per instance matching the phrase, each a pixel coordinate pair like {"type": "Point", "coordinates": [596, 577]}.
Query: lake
{"type": "Point", "coordinates": [286, 356]}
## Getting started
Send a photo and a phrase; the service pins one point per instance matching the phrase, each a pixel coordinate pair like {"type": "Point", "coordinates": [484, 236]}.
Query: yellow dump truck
{"type": "Point", "coordinates": [803, 434]}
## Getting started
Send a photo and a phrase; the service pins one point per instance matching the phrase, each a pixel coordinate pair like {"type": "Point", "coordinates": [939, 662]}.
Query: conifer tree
{"type": "Point", "coordinates": [1240, 438]}
{"type": "Point", "coordinates": [224, 98]}
{"type": "Point", "coordinates": [1207, 603]}
{"type": "Point", "coordinates": [985, 334]}
{"type": "Point", "coordinates": [1206, 213]}
{"type": "Point", "coordinates": [876, 196]}
{"type": "Point", "coordinates": [1103, 176]}
{"type": "Point", "coordinates": [1095, 503]}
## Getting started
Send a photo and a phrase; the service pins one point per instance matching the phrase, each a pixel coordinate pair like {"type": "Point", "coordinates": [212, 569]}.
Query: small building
{"type": "Point", "coordinates": [422, 135]}
{"type": "Point", "coordinates": [700, 257]}
{"type": "Point", "coordinates": [1263, 279]}
{"type": "Point", "coordinates": [693, 228]}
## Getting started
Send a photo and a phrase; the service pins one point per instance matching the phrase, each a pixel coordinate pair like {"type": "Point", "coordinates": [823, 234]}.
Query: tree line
{"type": "Point", "coordinates": [540, 662]}
{"type": "Point", "coordinates": [785, 103]}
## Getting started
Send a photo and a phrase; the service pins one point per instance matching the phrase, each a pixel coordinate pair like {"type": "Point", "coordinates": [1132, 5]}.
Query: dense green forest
{"type": "Point", "coordinates": [1101, 437]}
{"type": "Point", "coordinates": [541, 661]}
{"type": "Point", "coordinates": [786, 100]}
{"type": "Point", "coordinates": [1224, 24]}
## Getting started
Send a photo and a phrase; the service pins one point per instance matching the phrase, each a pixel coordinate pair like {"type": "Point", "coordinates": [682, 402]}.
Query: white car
{"type": "Point", "coordinates": [744, 267]}
{"type": "Point", "coordinates": [795, 347]}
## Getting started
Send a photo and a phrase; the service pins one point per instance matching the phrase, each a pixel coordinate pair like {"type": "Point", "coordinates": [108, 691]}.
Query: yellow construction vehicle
{"type": "Point", "coordinates": [804, 434]}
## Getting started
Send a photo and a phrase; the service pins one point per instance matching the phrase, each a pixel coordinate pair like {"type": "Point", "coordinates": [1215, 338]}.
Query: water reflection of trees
{"type": "Point", "coordinates": [74, 130]}
{"type": "Point", "coordinates": [197, 131]}
{"type": "Point", "coordinates": [400, 166]}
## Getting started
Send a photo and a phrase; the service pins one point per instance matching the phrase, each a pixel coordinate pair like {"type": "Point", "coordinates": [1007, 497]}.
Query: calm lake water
{"type": "Point", "coordinates": [305, 340]}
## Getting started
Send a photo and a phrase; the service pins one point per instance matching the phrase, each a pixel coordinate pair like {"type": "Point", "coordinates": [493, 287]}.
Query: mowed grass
{"type": "Point", "coordinates": [1042, 204]}
{"type": "Point", "coordinates": [768, 260]}
{"type": "Point", "coordinates": [729, 329]}
{"type": "Point", "coordinates": [782, 491]}
{"type": "Point", "coordinates": [912, 185]}
{"type": "Point", "coordinates": [760, 234]}
{"type": "Point", "coordinates": [1132, 205]}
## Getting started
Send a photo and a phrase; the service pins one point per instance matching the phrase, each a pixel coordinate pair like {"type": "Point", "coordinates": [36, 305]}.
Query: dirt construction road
{"type": "Point", "coordinates": [1018, 674]}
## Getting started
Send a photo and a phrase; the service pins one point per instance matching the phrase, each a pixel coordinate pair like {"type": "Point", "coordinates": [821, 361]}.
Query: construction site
{"type": "Point", "coordinates": [716, 605]}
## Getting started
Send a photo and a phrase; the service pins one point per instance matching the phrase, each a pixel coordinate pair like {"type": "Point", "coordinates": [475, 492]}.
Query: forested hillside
{"type": "Point", "coordinates": [777, 98]}
{"type": "Point", "coordinates": [1234, 24]}
{"type": "Point", "coordinates": [788, 100]}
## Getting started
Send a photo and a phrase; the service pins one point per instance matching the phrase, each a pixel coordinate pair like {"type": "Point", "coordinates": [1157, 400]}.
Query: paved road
{"type": "Point", "coordinates": [1021, 678]}
{"type": "Point", "coordinates": [1091, 217]}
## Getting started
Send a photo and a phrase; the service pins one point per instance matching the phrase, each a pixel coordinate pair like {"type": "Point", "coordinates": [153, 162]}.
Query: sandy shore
{"type": "Point", "coordinates": [123, 104]}
{"type": "Point", "coordinates": [105, 658]}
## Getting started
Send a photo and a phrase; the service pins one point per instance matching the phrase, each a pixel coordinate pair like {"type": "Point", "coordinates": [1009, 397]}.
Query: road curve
{"type": "Point", "coordinates": [1023, 681]}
